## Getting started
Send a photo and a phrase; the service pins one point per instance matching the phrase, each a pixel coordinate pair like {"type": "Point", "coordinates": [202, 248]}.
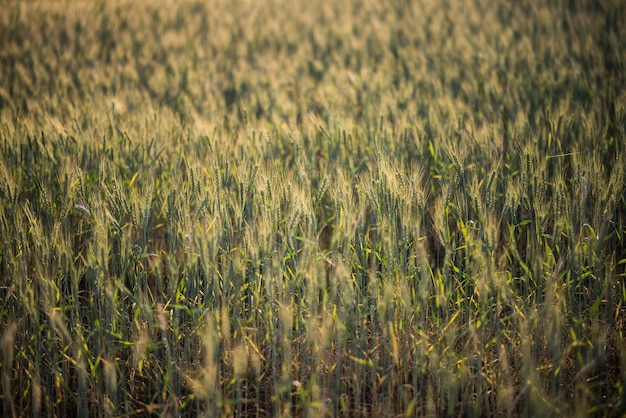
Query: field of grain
{"type": "Point", "coordinates": [310, 208]}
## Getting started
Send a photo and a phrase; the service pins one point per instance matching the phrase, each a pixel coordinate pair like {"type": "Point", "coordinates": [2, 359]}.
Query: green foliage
{"type": "Point", "coordinates": [312, 208]}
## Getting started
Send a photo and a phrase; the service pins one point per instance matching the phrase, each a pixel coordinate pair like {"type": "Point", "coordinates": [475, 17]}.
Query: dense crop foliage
{"type": "Point", "coordinates": [312, 208]}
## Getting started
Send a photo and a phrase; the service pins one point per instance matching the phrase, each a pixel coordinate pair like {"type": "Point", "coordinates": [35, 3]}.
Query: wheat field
{"type": "Point", "coordinates": [309, 208]}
